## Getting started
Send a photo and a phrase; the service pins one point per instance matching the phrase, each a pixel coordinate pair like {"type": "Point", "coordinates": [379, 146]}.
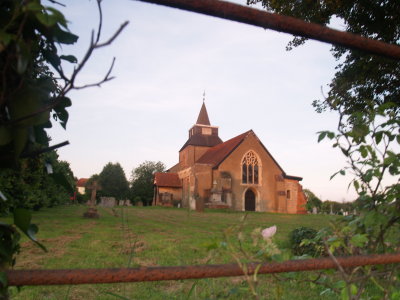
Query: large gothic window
{"type": "Point", "coordinates": [250, 168]}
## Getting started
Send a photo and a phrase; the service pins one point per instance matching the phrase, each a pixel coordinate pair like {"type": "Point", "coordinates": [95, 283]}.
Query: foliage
{"type": "Point", "coordinates": [365, 93]}
{"type": "Point", "coordinates": [296, 238]}
{"type": "Point", "coordinates": [142, 181]}
{"type": "Point", "coordinates": [113, 181]}
{"type": "Point", "coordinates": [32, 187]}
{"type": "Point", "coordinates": [33, 89]}
{"type": "Point", "coordinates": [312, 201]}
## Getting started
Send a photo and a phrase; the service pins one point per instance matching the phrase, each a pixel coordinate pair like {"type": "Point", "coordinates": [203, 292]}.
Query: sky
{"type": "Point", "coordinates": [165, 60]}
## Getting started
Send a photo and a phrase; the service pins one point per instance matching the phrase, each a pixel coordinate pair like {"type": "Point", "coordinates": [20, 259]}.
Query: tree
{"type": "Point", "coordinates": [33, 89]}
{"type": "Point", "coordinates": [142, 181]}
{"type": "Point", "coordinates": [113, 181]}
{"type": "Point", "coordinates": [365, 92]}
{"type": "Point", "coordinates": [312, 201]}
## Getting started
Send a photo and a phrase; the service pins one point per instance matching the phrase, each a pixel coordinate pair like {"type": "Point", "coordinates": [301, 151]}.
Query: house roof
{"type": "Point", "coordinates": [203, 116]}
{"type": "Point", "coordinates": [217, 154]}
{"type": "Point", "coordinates": [82, 182]}
{"type": "Point", "coordinates": [167, 179]}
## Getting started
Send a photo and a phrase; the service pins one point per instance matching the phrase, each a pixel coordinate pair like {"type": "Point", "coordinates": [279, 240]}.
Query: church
{"type": "Point", "coordinates": [239, 174]}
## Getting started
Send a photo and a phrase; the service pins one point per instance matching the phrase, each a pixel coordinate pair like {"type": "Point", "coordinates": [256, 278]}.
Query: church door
{"type": "Point", "coordinates": [249, 201]}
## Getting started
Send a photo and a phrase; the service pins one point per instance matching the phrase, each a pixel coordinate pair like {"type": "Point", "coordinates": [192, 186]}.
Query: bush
{"type": "Point", "coordinates": [312, 248]}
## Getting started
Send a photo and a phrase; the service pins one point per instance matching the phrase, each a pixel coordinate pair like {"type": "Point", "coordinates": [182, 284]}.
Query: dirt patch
{"type": "Point", "coordinates": [171, 287]}
{"type": "Point", "coordinates": [143, 262]}
{"type": "Point", "coordinates": [33, 257]}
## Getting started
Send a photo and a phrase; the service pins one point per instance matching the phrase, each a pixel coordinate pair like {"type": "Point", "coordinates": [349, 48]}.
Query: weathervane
{"type": "Point", "coordinates": [204, 96]}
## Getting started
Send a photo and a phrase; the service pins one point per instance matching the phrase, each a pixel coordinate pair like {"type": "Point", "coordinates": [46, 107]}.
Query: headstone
{"type": "Point", "coordinates": [315, 210]}
{"type": "Point", "coordinates": [107, 201]}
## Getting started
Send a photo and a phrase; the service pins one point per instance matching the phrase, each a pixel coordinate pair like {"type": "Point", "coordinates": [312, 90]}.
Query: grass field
{"type": "Point", "coordinates": [151, 236]}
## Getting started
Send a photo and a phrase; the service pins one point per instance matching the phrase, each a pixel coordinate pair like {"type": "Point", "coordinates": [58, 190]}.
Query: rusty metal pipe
{"type": "Point", "coordinates": [85, 276]}
{"type": "Point", "coordinates": [264, 19]}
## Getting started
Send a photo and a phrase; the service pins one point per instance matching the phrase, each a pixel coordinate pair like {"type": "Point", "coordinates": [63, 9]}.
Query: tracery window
{"type": "Point", "coordinates": [250, 168]}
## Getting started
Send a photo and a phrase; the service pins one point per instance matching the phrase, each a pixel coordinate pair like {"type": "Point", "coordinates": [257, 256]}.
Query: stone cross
{"type": "Point", "coordinates": [94, 187]}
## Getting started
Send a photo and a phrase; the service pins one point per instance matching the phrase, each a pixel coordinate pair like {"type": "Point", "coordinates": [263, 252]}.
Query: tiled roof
{"type": "Point", "coordinates": [218, 153]}
{"type": "Point", "coordinates": [203, 116]}
{"type": "Point", "coordinates": [202, 140]}
{"type": "Point", "coordinates": [167, 180]}
{"type": "Point", "coordinates": [82, 182]}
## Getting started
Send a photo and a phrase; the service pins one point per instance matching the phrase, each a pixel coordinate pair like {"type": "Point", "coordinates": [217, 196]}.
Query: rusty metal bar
{"type": "Point", "coordinates": [85, 276]}
{"type": "Point", "coordinates": [264, 19]}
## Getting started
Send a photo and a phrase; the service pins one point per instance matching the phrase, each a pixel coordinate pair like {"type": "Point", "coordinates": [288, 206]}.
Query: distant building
{"type": "Point", "coordinates": [239, 174]}
{"type": "Point", "coordinates": [81, 185]}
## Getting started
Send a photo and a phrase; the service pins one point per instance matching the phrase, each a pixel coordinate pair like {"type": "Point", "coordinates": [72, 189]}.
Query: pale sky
{"type": "Point", "coordinates": [165, 59]}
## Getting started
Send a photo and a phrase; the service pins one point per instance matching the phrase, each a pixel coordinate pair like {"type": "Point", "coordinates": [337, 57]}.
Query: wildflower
{"type": "Point", "coordinates": [268, 233]}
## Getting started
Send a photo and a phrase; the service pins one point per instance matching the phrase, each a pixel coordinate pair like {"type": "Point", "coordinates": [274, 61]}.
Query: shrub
{"type": "Point", "coordinates": [312, 248]}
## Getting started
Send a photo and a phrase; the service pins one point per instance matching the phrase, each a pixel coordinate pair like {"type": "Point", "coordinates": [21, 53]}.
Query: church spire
{"type": "Point", "coordinates": [203, 116]}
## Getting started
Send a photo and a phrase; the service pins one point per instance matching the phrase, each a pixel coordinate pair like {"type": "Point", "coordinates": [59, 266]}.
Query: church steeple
{"type": "Point", "coordinates": [202, 133]}
{"type": "Point", "coordinates": [203, 116]}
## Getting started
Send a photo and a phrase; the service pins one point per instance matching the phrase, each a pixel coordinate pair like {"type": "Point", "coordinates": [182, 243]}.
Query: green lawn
{"type": "Point", "coordinates": [150, 236]}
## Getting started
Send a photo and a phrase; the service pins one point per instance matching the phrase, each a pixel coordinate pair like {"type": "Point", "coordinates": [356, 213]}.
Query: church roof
{"type": "Point", "coordinates": [167, 179]}
{"type": "Point", "coordinates": [217, 154]}
{"type": "Point", "coordinates": [202, 140]}
{"type": "Point", "coordinates": [203, 116]}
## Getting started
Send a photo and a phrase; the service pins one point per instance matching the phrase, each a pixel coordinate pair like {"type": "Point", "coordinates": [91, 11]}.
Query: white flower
{"type": "Point", "coordinates": [268, 233]}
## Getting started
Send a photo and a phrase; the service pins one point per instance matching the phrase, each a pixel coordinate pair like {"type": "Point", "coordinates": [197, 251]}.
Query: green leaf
{"type": "Point", "coordinates": [63, 102]}
{"type": "Point", "coordinates": [64, 37]}
{"type": "Point", "coordinates": [378, 137]}
{"type": "Point", "coordinates": [33, 6]}
{"type": "Point", "coordinates": [395, 295]}
{"type": "Point", "coordinates": [363, 151]}
{"type": "Point", "coordinates": [46, 19]}
{"type": "Point", "coordinates": [62, 115]}
{"type": "Point", "coordinates": [22, 219]}
{"type": "Point", "coordinates": [70, 58]}
{"type": "Point", "coordinates": [330, 135]}
{"type": "Point", "coordinates": [398, 138]}
{"type": "Point", "coordinates": [321, 136]}
{"type": "Point", "coordinates": [58, 16]}
{"type": "Point", "coordinates": [356, 185]}
{"type": "Point", "coordinates": [353, 289]}
{"type": "Point", "coordinates": [359, 240]}
{"type": "Point", "coordinates": [343, 294]}
{"type": "Point", "coordinates": [52, 57]}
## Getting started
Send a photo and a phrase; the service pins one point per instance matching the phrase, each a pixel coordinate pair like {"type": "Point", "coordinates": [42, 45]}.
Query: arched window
{"type": "Point", "coordinates": [250, 168]}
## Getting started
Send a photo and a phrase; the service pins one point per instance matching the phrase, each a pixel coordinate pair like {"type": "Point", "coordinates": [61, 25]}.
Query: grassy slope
{"type": "Point", "coordinates": [149, 236]}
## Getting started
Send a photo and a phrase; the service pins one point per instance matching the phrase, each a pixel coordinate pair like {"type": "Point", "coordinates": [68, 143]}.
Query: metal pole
{"type": "Point", "coordinates": [264, 19]}
{"type": "Point", "coordinates": [85, 276]}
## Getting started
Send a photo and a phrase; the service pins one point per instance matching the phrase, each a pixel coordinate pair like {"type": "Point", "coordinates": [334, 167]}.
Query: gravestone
{"type": "Point", "coordinates": [107, 201]}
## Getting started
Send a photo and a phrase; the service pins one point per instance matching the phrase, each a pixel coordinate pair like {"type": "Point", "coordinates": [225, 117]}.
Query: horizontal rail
{"type": "Point", "coordinates": [264, 19]}
{"type": "Point", "coordinates": [85, 276]}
